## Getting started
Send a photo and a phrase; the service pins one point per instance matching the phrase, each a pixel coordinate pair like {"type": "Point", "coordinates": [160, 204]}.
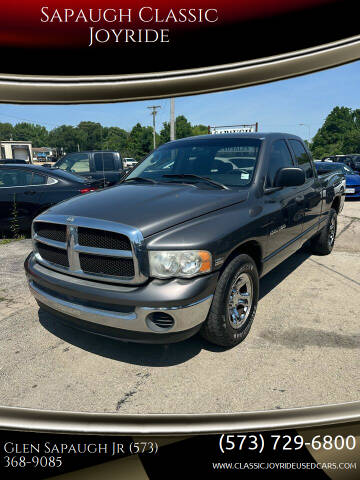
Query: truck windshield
{"type": "Point", "coordinates": [228, 161]}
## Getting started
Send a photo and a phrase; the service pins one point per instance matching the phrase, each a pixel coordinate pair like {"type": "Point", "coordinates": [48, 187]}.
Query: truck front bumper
{"type": "Point", "coordinates": [160, 311]}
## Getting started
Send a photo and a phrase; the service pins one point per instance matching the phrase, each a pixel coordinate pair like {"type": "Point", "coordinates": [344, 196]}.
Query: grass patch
{"type": "Point", "coordinates": [5, 241]}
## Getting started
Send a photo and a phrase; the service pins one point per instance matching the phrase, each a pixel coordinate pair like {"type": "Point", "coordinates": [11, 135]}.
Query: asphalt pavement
{"type": "Point", "coordinates": [303, 348]}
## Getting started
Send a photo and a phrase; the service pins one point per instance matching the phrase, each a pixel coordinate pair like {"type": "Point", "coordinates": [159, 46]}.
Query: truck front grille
{"type": "Point", "coordinates": [90, 237]}
{"type": "Point", "coordinates": [51, 231]}
{"type": "Point", "coordinates": [123, 267]}
{"type": "Point", "coordinates": [73, 246]}
{"type": "Point", "coordinates": [52, 254]}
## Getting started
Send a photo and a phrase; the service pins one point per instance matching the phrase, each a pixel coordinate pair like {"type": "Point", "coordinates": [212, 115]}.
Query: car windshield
{"type": "Point", "coordinates": [229, 162]}
{"type": "Point", "coordinates": [347, 170]}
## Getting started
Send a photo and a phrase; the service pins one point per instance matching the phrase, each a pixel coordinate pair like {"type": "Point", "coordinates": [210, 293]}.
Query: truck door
{"type": "Point", "coordinates": [107, 166]}
{"type": "Point", "coordinates": [311, 190]}
{"type": "Point", "coordinates": [285, 206]}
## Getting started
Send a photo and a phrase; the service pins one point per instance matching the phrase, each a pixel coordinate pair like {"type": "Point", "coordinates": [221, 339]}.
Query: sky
{"type": "Point", "coordinates": [278, 106]}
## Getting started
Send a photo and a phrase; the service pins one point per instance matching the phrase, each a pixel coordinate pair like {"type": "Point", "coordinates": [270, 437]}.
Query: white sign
{"type": "Point", "coordinates": [233, 129]}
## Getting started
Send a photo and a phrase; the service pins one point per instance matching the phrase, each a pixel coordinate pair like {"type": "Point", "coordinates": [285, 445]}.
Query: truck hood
{"type": "Point", "coordinates": [150, 208]}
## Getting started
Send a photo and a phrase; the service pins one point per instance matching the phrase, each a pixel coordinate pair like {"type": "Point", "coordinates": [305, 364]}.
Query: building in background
{"type": "Point", "coordinates": [45, 154]}
{"type": "Point", "coordinates": [19, 150]}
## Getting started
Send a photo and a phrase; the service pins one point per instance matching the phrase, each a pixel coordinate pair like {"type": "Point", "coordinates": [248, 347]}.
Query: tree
{"type": "Point", "coordinates": [6, 131]}
{"type": "Point", "coordinates": [183, 129]}
{"type": "Point", "coordinates": [90, 135]}
{"type": "Point", "coordinates": [115, 138]}
{"type": "Point", "coordinates": [65, 138]}
{"type": "Point", "coordinates": [28, 132]}
{"type": "Point", "coordinates": [165, 133]}
{"type": "Point", "coordinates": [199, 130]}
{"type": "Point", "coordinates": [340, 133]}
{"type": "Point", "coordinates": [140, 141]}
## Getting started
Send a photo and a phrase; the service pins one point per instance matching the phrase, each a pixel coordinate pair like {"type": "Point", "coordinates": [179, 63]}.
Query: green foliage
{"type": "Point", "coordinates": [65, 137]}
{"type": "Point", "coordinates": [199, 130]}
{"type": "Point", "coordinates": [29, 132]}
{"type": "Point", "coordinates": [93, 136]}
{"type": "Point", "coordinates": [115, 138]}
{"type": "Point", "coordinates": [14, 221]}
{"type": "Point", "coordinates": [340, 133]}
{"type": "Point", "coordinates": [6, 131]}
{"type": "Point", "coordinates": [140, 141]}
{"type": "Point", "coordinates": [183, 129]}
{"type": "Point", "coordinates": [90, 135]}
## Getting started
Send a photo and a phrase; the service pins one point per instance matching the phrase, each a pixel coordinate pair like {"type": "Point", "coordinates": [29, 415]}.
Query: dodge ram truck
{"type": "Point", "coordinates": [179, 246]}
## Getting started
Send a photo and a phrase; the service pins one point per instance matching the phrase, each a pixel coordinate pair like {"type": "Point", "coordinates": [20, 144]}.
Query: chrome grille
{"type": "Point", "coordinates": [51, 231]}
{"type": "Point", "coordinates": [53, 255]}
{"type": "Point", "coordinates": [106, 265]}
{"type": "Point", "coordinates": [90, 237]}
{"type": "Point", "coordinates": [89, 248]}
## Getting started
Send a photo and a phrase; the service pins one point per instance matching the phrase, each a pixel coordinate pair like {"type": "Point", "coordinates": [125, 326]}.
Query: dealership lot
{"type": "Point", "coordinates": [303, 348]}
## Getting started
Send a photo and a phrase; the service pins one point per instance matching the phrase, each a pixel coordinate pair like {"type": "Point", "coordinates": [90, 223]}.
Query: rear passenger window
{"type": "Point", "coordinates": [280, 157]}
{"type": "Point", "coordinates": [302, 158]}
{"type": "Point", "coordinates": [20, 178]}
{"type": "Point", "coordinates": [104, 162]}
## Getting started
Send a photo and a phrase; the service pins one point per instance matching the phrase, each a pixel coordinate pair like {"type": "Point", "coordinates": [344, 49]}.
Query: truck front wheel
{"type": "Point", "coordinates": [234, 304]}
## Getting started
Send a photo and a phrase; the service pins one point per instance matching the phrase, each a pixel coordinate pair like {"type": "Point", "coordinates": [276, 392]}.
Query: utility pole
{"type": "Point", "coordinates": [172, 118]}
{"type": "Point", "coordinates": [308, 127]}
{"type": "Point", "coordinates": [153, 113]}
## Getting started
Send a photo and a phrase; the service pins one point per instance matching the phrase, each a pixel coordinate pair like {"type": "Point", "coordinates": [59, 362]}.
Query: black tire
{"type": "Point", "coordinates": [323, 243]}
{"type": "Point", "coordinates": [220, 327]}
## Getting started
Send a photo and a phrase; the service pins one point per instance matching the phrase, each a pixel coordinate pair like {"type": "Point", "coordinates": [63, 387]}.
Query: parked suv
{"type": "Point", "coordinates": [179, 246]}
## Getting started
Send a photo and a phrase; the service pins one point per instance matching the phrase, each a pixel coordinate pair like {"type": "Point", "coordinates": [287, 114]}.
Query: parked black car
{"type": "Point", "coordinates": [35, 189]}
{"type": "Point", "coordinates": [179, 246]}
{"type": "Point", "coordinates": [4, 161]}
{"type": "Point", "coordinates": [96, 165]}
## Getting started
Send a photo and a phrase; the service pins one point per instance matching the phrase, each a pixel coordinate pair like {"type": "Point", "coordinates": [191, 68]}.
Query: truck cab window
{"type": "Point", "coordinates": [75, 162]}
{"type": "Point", "coordinates": [104, 162]}
{"type": "Point", "coordinates": [280, 157]}
{"type": "Point", "coordinates": [302, 158]}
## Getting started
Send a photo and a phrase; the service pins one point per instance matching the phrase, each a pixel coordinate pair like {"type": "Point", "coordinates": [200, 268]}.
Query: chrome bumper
{"type": "Point", "coordinates": [185, 317]}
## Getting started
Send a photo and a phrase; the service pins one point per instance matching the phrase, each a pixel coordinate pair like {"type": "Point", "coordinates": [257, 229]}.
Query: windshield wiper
{"type": "Point", "coordinates": [139, 179]}
{"type": "Point", "coordinates": [196, 177]}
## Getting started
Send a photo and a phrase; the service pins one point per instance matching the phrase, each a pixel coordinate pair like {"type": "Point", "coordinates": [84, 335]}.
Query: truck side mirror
{"type": "Point", "coordinates": [290, 177]}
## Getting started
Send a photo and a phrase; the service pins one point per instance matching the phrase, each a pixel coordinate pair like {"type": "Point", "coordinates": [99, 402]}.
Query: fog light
{"type": "Point", "coordinates": [160, 321]}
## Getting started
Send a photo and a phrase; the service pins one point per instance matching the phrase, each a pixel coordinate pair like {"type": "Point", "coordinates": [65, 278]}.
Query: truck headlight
{"type": "Point", "coordinates": [179, 263]}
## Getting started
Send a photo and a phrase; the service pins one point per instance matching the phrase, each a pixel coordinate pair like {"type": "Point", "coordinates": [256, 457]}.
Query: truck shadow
{"type": "Point", "coordinates": [157, 355]}
{"type": "Point", "coordinates": [279, 274]}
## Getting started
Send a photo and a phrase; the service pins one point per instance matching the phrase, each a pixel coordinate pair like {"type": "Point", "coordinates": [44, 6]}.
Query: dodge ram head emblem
{"type": "Point", "coordinates": [70, 219]}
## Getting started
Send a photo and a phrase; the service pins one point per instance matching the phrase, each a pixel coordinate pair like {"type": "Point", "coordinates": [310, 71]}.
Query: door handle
{"type": "Point", "coordinates": [29, 192]}
{"type": "Point", "coordinates": [299, 198]}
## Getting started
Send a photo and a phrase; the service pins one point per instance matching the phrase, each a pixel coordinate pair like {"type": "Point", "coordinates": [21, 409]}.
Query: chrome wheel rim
{"type": "Point", "coordinates": [332, 232]}
{"type": "Point", "coordinates": [240, 300]}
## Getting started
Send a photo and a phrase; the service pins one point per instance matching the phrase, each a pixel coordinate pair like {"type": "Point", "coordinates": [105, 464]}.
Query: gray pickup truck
{"type": "Point", "coordinates": [103, 165]}
{"type": "Point", "coordinates": [179, 246]}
